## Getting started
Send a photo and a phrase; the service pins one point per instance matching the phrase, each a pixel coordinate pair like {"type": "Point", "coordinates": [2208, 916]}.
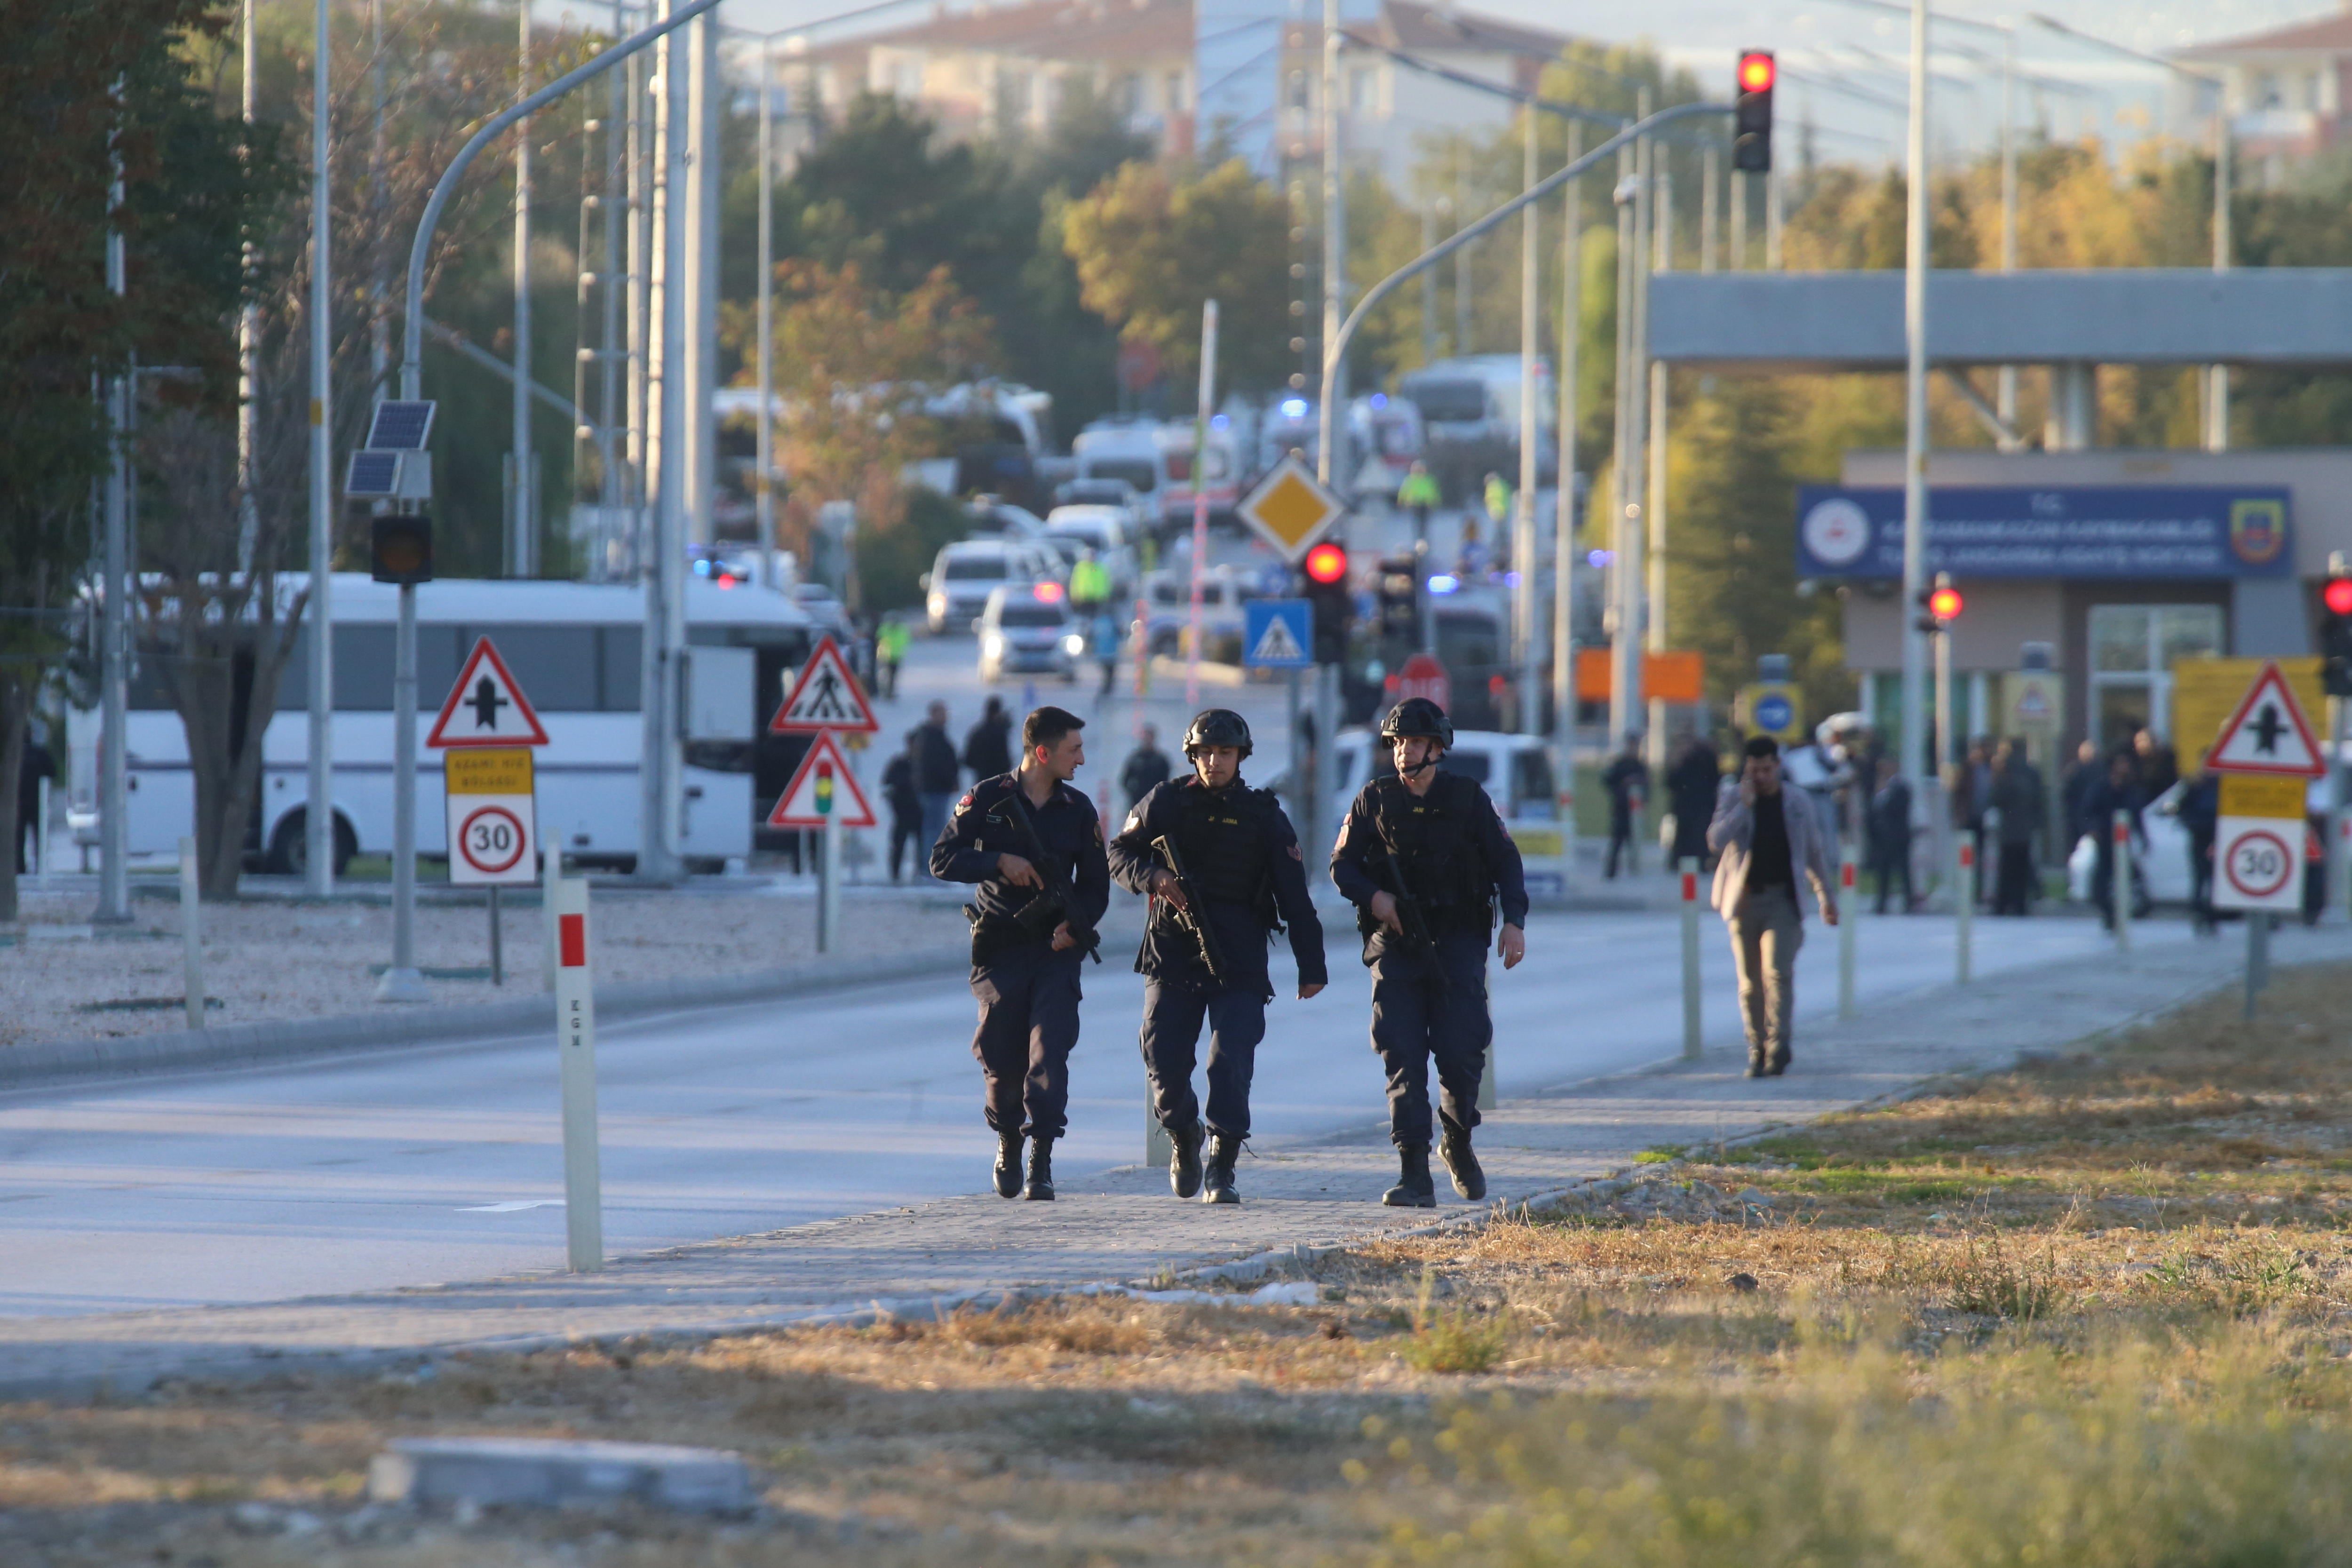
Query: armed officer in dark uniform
{"type": "Point", "coordinates": [1036, 848]}
{"type": "Point", "coordinates": [1224, 871]}
{"type": "Point", "coordinates": [1423, 857]}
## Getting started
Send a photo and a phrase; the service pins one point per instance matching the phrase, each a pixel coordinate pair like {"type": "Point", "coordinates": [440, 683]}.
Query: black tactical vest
{"type": "Point", "coordinates": [1436, 843]}
{"type": "Point", "coordinates": [1222, 837]}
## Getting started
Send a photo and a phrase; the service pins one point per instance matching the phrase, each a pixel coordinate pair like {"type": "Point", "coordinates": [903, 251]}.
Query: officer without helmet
{"type": "Point", "coordinates": [1428, 973]}
{"type": "Point", "coordinates": [1024, 969]}
{"type": "Point", "coordinates": [1243, 863]}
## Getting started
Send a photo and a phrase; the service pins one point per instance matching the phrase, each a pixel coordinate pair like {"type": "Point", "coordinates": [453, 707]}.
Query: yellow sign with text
{"type": "Point", "coordinates": [2263, 794]}
{"type": "Point", "coordinates": [489, 770]}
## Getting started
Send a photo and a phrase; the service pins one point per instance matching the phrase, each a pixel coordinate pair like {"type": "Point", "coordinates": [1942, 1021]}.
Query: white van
{"type": "Point", "coordinates": [956, 588]}
{"type": "Point", "coordinates": [1126, 449]}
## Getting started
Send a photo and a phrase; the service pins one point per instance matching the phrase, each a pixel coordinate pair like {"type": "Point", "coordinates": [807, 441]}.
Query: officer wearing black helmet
{"type": "Point", "coordinates": [1234, 850]}
{"type": "Point", "coordinates": [1423, 857]}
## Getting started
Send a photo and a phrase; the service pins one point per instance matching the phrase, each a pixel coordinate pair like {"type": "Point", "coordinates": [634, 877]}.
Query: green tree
{"type": "Point", "coordinates": [1151, 243]}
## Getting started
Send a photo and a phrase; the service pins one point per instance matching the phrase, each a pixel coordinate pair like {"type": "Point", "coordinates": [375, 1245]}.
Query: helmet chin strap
{"type": "Point", "coordinates": [1422, 766]}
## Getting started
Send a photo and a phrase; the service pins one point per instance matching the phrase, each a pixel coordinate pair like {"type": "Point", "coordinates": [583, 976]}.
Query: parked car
{"type": "Point", "coordinates": [994, 517]}
{"type": "Point", "coordinates": [961, 579]}
{"type": "Point", "coordinates": [1223, 591]}
{"type": "Point", "coordinates": [2160, 866]}
{"type": "Point", "coordinates": [1029, 629]}
{"type": "Point", "coordinates": [1100, 490]}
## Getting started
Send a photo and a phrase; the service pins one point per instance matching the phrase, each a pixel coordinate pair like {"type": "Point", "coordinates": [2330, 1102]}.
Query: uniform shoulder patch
{"type": "Point", "coordinates": [966, 801]}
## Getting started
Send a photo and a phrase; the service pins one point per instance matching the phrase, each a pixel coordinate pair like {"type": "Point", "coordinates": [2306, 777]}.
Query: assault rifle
{"type": "Point", "coordinates": [1051, 906]}
{"type": "Point", "coordinates": [1193, 915]}
{"type": "Point", "coordinates": [1414, 921]}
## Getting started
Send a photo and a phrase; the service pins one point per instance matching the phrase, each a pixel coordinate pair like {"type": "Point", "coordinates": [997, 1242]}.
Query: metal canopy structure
{"type": "Point", "coordinates": [1854, 321]}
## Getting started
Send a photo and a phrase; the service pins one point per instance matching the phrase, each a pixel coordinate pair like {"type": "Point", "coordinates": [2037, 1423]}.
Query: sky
{"type": "Point", "coordinates": [1839, 55]}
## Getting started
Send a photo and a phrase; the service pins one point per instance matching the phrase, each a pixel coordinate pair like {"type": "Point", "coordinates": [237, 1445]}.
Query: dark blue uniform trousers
{"type": "Point", "coordinates": [1028, 1022]}
{"type": "Point", "coordinates": [1415, 1023]}
{"type": "Point", "coordinates": [1172, 1015]}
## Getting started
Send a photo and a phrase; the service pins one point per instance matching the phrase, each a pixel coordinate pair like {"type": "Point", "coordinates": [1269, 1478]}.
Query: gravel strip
{"type": "Point", "coordinates": [268, 959]}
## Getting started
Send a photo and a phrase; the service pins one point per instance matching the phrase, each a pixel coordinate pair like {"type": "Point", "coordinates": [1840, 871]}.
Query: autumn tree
{"type": "Point", "coordinates": [856, 363]}
{"type": "Point", "coordinates": [1154, 241]}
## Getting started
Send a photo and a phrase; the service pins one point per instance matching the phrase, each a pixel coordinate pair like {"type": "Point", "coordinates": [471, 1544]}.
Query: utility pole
{"type": "Point", "coordinates": [1624, 667]}
{"type": "Point", "coordinates": [2217, 411]}
{"type": "Point", "coordinates": [1915, 436]}
{"type": "Point", "coordinates": [707, 95]}
{"type": "Point", "coordinates": [1563, 615]}
{"type": "Point", "coordinates": [2005, 385]}
{"type": "Point", "coordinates": [764, 444]}
{"type": "Point", "coordinates": [1654, 493]}
{"type": "Point", "coordinates": [1710, 181]}
{"type": "Point", "coordinates": [522, 539]}
{"type": "Point", "coordinates": [619, 116]}
{"type": "Point", "coordinates": [664, 593]}
{"type": "Point", "coordinates": [248, 518]}
{"type": "Point", "coordinates": [1330, 459]}
{"type": "Point", "coordinates": [318, 815]}
{"type": "Point", "coordinates": [1525, 601]}
{"type": "Point", "coordinates": [114, 658]}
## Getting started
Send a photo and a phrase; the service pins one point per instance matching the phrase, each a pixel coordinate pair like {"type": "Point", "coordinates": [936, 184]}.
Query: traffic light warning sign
{"type": "Point", "coordinates": [824, 789]}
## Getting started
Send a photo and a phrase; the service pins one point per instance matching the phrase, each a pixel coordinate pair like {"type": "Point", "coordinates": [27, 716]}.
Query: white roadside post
{"type": "Point", "coordinates": [1690, 1016]}
{"type": "Point", "coordinates": [550, 872]}
{"type": "Point", "coordinates": [828, 929]}
{"type": "Point", "coordinates": [1849, 906]}
{"type": "Point", "coordinates": [192, 940]}
{"type": "Point", "coordinates": [2120, 892]}
{"type": "Point", "coordinates": [575, 1044]}
{"type": "Point", "coordinates": [1964, 887]}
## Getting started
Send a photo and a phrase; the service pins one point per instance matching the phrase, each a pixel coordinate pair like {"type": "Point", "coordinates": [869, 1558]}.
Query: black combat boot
{"type": "Point", "coordinates": [1184, 1164]}
{"type": "Point", "coordinates": [1415, 1189]}
{"type": "Point", "coordinates": [1461, 1163]}
{"type": "Point", "coordinates": [1218, 1187]}
{"type": "Point", "coordinates": [1008, 1164]}
{"type": "Point", "coordinates": [1040, 1189]}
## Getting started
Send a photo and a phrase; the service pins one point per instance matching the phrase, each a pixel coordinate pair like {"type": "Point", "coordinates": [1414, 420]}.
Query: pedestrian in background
{"type": "Point", "coordinates": [1026, 979]}
{"type": "Point", "coordinates": [1418, 495]}
{"type": "Point", "coordinates": [2074, 781]}
{"type": "Point", "coordinates": [2201, 815]}
{"type": "Point", "coordinates": [36, 765]}
{"type": "Point", "coordinates": [1889, 833]}
{"type": "Point", "coordinates": [905, 803]}
{"type": "Point", "coordinates": [2119, 790]}
{"type": "Point", "coordinates": [936, 778]}
{"type": "Point", "coordinates": [1107, 640]}
{"type": "Point", "coordinates": [1692, 778]}
{"type": "Point", "coordinates": [890, 645]}
{"type": "Point", "coordinates": [1627, 780]}
{"type": "Point", "coordinates": [2159, 764]}
{"type": "Point", "coordinates": [1145, 766]}
{"type": "Point", "coordinates": [2020, 808]}
{"type": "Point", "coordinates": [988, 744]}
{"type": "Point", "coordinates": [1770, 846]}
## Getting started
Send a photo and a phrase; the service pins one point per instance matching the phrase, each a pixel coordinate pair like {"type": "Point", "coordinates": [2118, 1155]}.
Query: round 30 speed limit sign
{"type": "Point", "coordinates": [492, 839]}
{"type": "Point", "coordinates": [2258, 864]}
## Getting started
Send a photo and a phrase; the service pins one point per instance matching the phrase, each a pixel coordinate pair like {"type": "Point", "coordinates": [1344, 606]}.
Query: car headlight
{"type": "Point", "coordinates": [1073, 644]}
{"type": "Point", "coordinates": [995, 645]}
{"type": "Point", "coordinates": [939, 606]}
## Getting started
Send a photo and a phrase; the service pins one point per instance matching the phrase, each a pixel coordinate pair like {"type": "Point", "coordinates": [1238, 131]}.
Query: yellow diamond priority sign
{"type": "Point", "coordinates": [1290, 511]}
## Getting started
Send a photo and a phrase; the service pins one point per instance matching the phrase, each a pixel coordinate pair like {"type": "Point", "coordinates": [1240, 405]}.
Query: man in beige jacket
{"type": "Point", "coordinates": [1768, 842]}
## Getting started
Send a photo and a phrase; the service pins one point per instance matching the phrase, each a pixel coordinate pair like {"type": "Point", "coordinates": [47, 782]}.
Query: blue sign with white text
{"type": "Point", "coordinates": [1278, 634]}
{"type": "Point", "coordinates": [2063, 531]}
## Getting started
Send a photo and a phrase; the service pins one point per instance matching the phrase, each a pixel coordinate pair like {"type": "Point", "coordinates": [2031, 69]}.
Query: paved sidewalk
{"type": "Point", "coordinates": [1120, 1225]}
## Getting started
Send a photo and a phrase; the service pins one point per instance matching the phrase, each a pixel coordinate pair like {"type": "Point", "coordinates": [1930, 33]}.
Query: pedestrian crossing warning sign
{"type": "Point", "coordinates": [1276, 634]}
{"type": "Point", "coordinates": [825, 697]}
{"type": "Point", "coordinates": [485, 708]}
{"type": "Point", "coordinates": [2268, 734]}
{"type": "Point", "coordinates": [824, 789]}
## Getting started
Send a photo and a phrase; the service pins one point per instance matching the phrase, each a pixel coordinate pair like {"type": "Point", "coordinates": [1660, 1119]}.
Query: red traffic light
{"type": "Point", "coordinates": [1755, 71]}
{"type": "Point", "coordinates": [1327, 563]}
{"type": "Point", "coordinates": [2337, 596]}
{"type": "Point", "coordinates": [1945, 603]}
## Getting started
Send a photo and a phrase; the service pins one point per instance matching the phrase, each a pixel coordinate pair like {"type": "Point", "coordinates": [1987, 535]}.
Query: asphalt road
{"type": "Point", "coordinates": [443, 1163]}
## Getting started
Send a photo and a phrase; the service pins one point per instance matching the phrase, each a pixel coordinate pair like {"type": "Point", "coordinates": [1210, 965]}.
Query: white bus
{"type": "Point", "coordinates": [574, 648]}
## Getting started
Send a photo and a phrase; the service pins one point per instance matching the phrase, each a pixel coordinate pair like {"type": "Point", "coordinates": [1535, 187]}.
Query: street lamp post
{"type": "Point", "coordinates": [1915, 386]}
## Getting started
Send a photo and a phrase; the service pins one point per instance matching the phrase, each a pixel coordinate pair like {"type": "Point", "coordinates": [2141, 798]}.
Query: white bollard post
{"type": "Point", "coordinates": [1964, 913]}
{"type": "Point", "coordinates": [1849, 909]}
{"type": "Point", "coordinates": [2121, 891]}
{"type": "Point", "coordinates": [192, 940]}
{"type": "Point", "coordinates": [550, 872]}
{"type": "Point", "coordinates": [575, 1044]}
{"type": "Point", "coordinates": [828, 893]}
{"type": "Point", "coordinates": [1690, 1016]}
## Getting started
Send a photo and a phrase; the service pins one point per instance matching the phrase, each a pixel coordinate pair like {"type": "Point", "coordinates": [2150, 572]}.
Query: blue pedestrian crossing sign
{"type": "Point", "coordinates": [1278, 634]}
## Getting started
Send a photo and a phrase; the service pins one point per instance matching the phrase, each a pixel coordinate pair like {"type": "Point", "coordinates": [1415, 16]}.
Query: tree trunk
{"type": "Point", "coordinates": [15, 707]}
{"type": "Point", "coordinates": [225, 743]}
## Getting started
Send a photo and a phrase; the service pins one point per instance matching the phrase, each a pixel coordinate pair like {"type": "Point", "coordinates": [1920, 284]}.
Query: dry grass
{"type": "Point", "coordinates": [2088, 1312]}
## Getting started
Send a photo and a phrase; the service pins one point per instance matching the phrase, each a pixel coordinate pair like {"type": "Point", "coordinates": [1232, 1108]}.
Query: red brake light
{"type": "Point", "coordinates": [1048, 593]}
{"type": "Point", "coordinates": [1327, 563]}
{"type": "Point", "coordinates": [1756, 73]}
{"type": "Point", "coordinates": [2338, 596]}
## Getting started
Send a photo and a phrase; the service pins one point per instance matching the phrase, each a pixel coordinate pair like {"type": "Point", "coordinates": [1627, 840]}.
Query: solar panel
{"type": "Point", "coordinates": [399, 427]}
{"type": "Point", "coordinates": [372, 474]}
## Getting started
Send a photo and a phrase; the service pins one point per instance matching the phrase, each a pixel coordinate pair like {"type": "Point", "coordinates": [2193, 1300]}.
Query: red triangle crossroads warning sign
{"type": "Point", "coordinates": [485, 708]}
{"type": "Point", "coordinates": [824, 785]}
{"type": "Point", "coordinates": [825, 697]}
{"type": "Point", "coordinates": [2268, 734]}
